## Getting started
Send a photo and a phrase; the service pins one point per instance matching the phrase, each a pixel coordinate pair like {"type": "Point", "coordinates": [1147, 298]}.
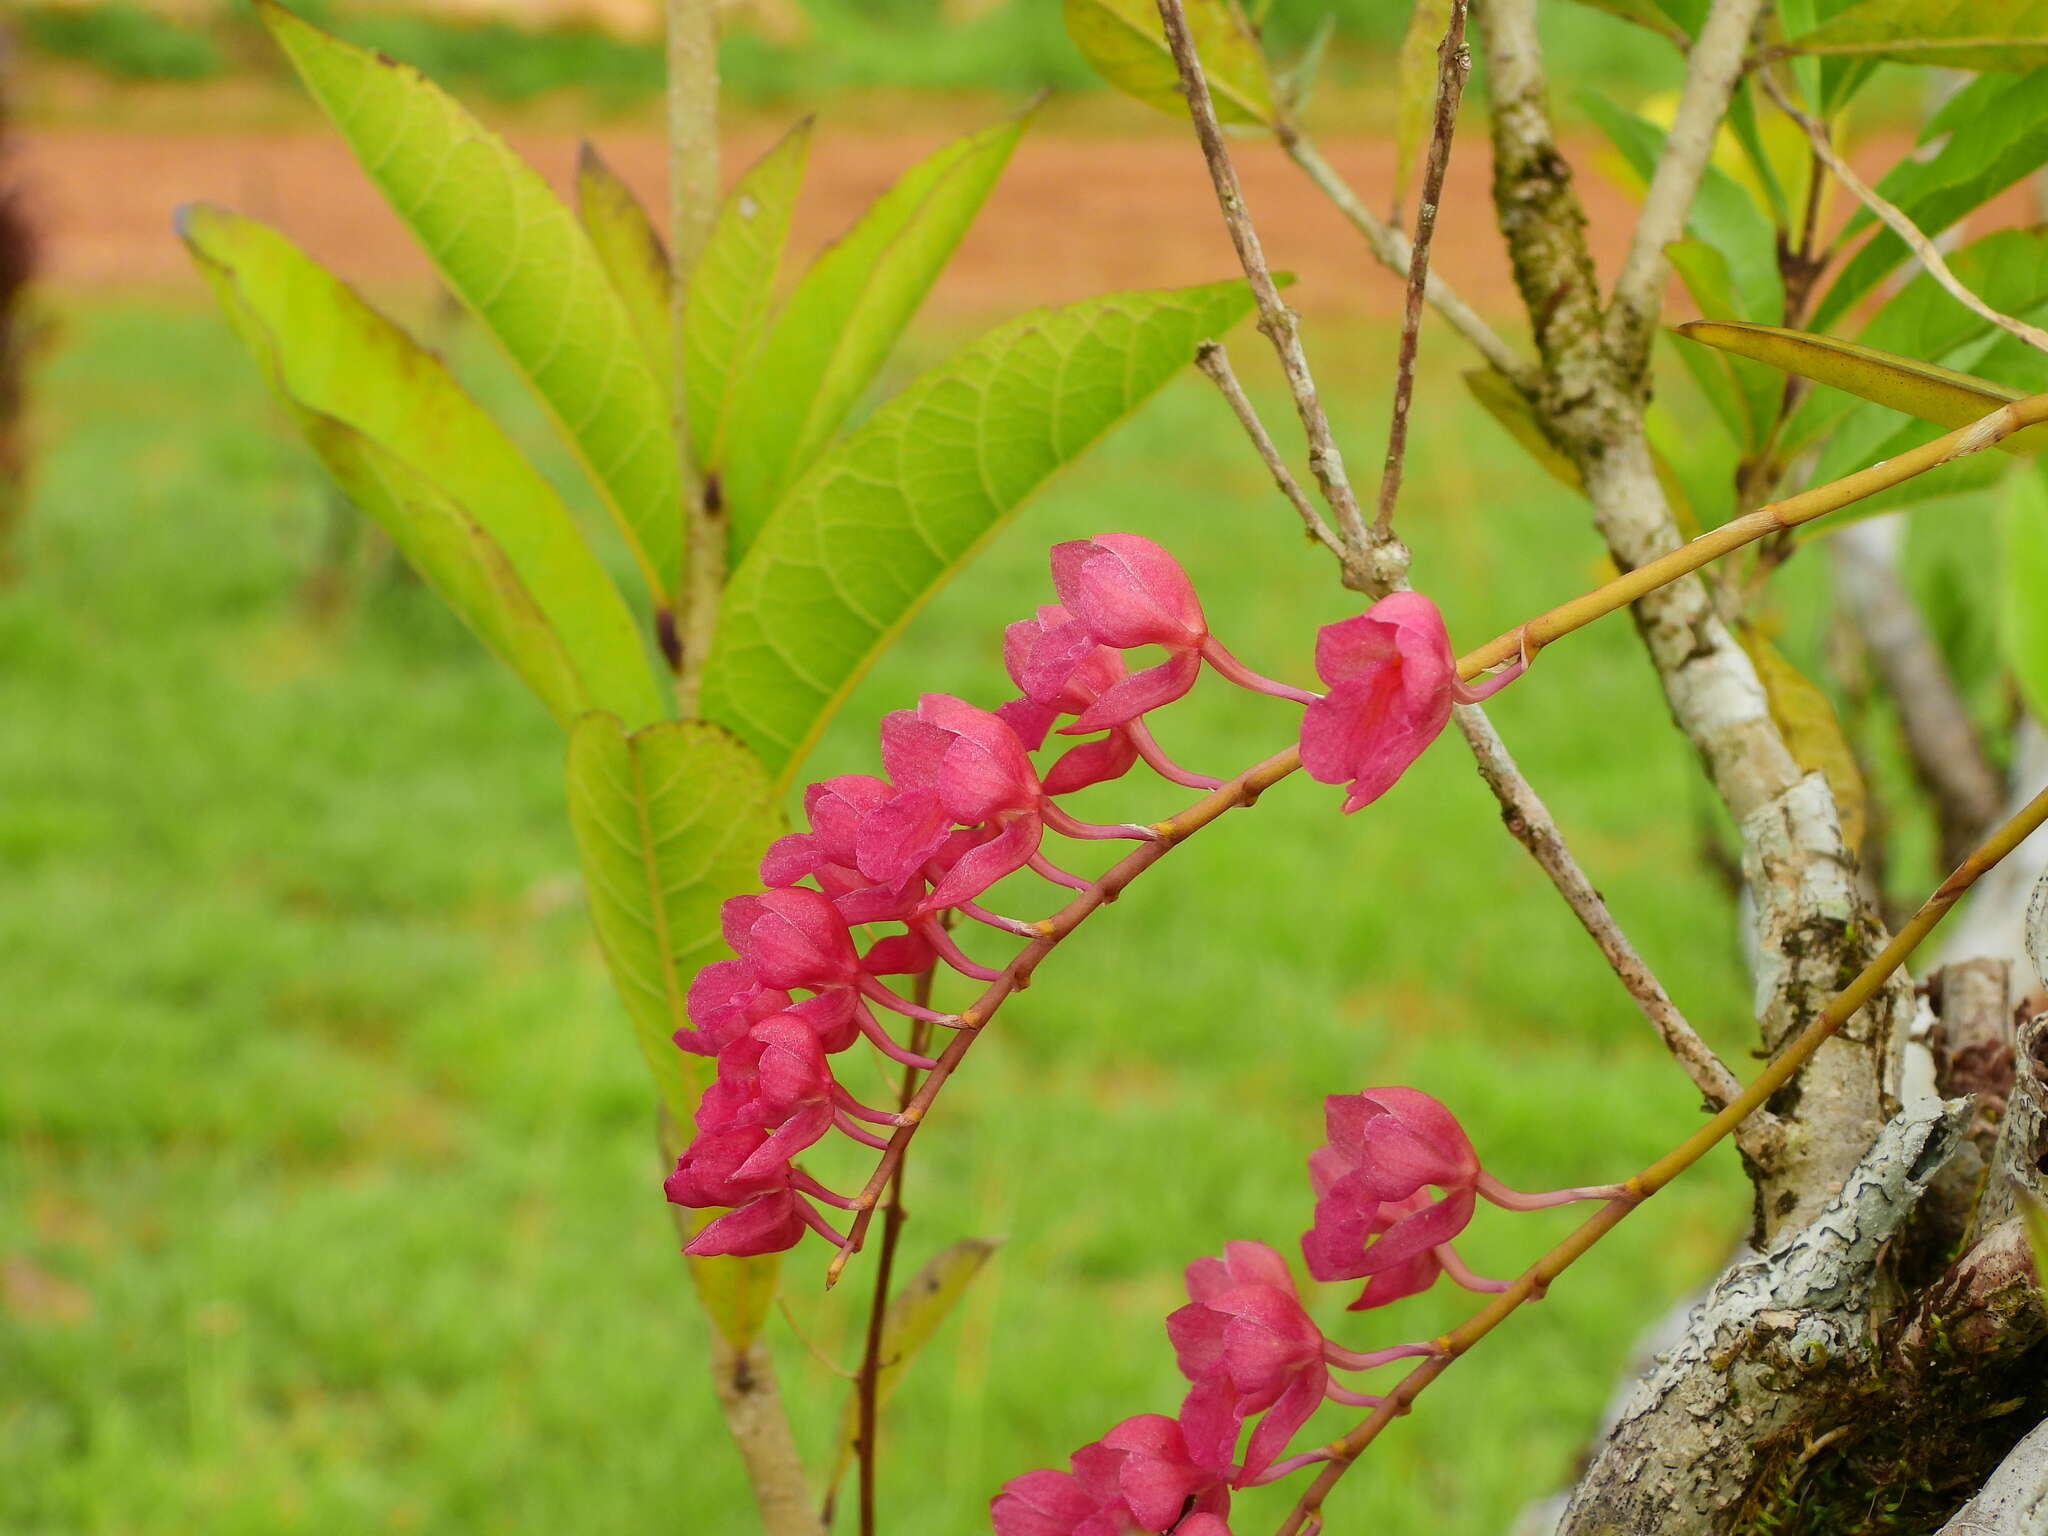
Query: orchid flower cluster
{"type": "Point", "coordinates": [872, 892]}
{"type": "Point", "coordinates": [963, 806]}
{"type": "Point", "coordinates": [1247, 1345]}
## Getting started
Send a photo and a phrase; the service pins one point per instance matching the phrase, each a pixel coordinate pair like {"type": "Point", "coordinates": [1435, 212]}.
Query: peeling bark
{"type": "Point", "coordinates": [1779, 1337]}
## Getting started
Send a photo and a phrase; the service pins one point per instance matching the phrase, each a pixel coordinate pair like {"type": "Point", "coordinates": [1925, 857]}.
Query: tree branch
{"type": "Point", "coordinates": [1391, 248]}
{"type": "Point", "coordinates": [1276, 320]}
{"type": "Point", "coordinates": [1214, 361]}
{"type": "Point", "coordinates": [1453, 63]}
{"type": "Point", "coordinates": [1812, 924]}
{"type": "Point", "coordinates": [1529, 819]}
{"type": "Point", "coordinates": [1713, 69]}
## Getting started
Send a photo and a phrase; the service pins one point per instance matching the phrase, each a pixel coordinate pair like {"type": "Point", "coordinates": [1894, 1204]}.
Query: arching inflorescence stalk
{"type": "Point", "coordinates": [870, 892]}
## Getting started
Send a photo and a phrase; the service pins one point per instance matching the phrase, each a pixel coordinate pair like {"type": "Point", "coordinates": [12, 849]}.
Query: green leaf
{"type": "Point", "coordinates": [2023, 573]}
{"type": "Point", "coordinates": [1994, 133]}
{"type": "Point", "coordinates": [1955, 34]}
{"type": "Point", "coordinates": [1298, 82]}
{"type": "Point", "coordinates": [840, 325]}
{"type": "Point", "coordinates": [731, 285]}
{"type": "Point", "coordinates": [1723, 216]}
{"type": "Point", "coordinates": [737, 1292]}
{"type": "Point", "coordinates": [913, 1315]}
{"type": "Point", "coordinates": [1415, 72]}
{"type": "Point", "coordinates": [888, 515]}
{"type": "Point", "coordinates": [1929, 391]}
{"type": "Point", "coordinates": [2007, 269]}
{"type": "Point", "coordinates": [517, 257]}
{"type": "Point", "coordinates": [1123, 42]}
{"type": "Point", "coordinates": [338, 363]}
{"type": "Point", "coordinates": [633, 256]}
{"type": "Point", "coordinates": [1759, 390]}
{"type": "Point", "coordinates": [1506, 405]}
{"type": "Point", "coordinates": [669, 821]}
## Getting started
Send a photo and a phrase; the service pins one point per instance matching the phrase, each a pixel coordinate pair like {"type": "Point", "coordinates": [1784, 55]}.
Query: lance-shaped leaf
{"type": "Point", "coordinates": [2023, 587]}
{"type": "Point", "coordinates": [2008, 269]}
{"type": "Point", "coordinates": [454, 555]}
{"type": "Point", "coordinates": [736, 1291]}
{"type": "Point", "coordinates": [888, 514]}
{"type": "Point", "coordinates": [1756, 392]}
{"type": "Point", "coordinates": [1929, 391]}
{"type": "Point", "coordinates": [331, 357]}
{"type": "Point", "coordinates": [509, 248]}
{"type": "Point", "coordinates": [1644, 13]}
{"type": "Point", "coordinates": [1991, 134]}
{"type": "Point", "coordinates": [842, 322]}
{"type": "Point", "coordinates": [634, 258]}
{"type": "Point", "coordinates": [669, 822]}
{"type": "Point", "coordinates": [1956, 34]}
{"type": "Point", "coordinates": [913, 1315]}
{"type": "Point", "coordinates": [731, 285]}
{"type": "Point", "coordinates": [1123, 42]}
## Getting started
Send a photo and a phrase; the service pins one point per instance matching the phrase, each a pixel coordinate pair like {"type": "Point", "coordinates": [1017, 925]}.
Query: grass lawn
{"type": "Point", "coordinates": [327, 1198]}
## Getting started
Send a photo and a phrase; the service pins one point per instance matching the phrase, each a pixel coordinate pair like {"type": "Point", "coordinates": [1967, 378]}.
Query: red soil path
{"type": "Point", "coordinates": [1072, 216]}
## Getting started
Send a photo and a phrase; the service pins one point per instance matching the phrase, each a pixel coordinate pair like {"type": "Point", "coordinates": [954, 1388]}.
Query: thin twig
{"type": "Point", "coordinates": [1525, 638]}
{"type": "Point", "coordinates": [1713, 67]}
{"type": "Point", "coordinates": [1895, 219]}
{"type": "Point", "coordinates": [1391, 248]}
{"type": "Point", "coordinates": [1214, 361]}
{"type": "Point", "coordinates": [892, 1231]}
{"type": "Point", "coordinates": [1529, 819]}
{"type": "Point", "coordinates": [1537, 1279]}
{"type": "Point", "coordinates": [1276, 320]}
{"type": "Point", "coordinates": [1453, 64]}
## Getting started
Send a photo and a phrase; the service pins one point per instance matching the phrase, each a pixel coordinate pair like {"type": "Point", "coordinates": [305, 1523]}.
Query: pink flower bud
{"type": "Point", "coordinates": [1128, 592]}
{"type": "Point", "coordinates": [1249, 1348]}
{"type": "Point", "coordinates": [774, 1077]}
{"type": "Point", "coordinates": [1138, 1477]}
{"type": "Point", "coordinates": [1392, 680]}
{"type": "Point", "coordinates": [793, 937]}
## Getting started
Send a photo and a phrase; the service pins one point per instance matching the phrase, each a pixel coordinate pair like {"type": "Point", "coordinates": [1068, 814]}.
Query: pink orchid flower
{"type": "Point", "coordinates": [1138, 1477]}
{"type": "Point", "coordinates": [1392, 679]}
{"type": "Point", "coordinates": [775, 1077]}
{"type": "Point", "coordinates": [725, 1000]}
{"type": "Point", "coordinates": [956, 766]}
{"type": "Point", "coordinates": [1064, 671]}
{"type": "Point", "coordinates": [768, 1211]}
{"type": "Point", "coordinates": [1248, 1346]}
{"type": "Point", "coordinates": [1127, 592]}
{"type": "Point", "coordinates": [1374, 1216]}
{"type": "Point", "coordinates": [796, 939]}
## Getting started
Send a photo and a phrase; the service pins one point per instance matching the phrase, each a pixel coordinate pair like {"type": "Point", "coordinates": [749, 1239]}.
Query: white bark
{"type": "Point", "coordinates": [2014, 1499]}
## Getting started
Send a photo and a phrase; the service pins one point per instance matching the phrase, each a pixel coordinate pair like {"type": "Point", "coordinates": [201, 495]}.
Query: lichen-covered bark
{"type": "Point", "coordinates": [1776, 1338]}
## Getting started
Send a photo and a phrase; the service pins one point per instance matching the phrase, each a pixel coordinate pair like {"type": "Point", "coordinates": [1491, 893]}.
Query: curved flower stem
{"type": "Point", "coordinates": [1462, 1273]}
{"type": "Point", "coordinates": [1230, 667]}
{"type": "Point", "coordinates": [1366, 1360]}
{"type": "Point", "coordinates": [1069, 826]}
{"type": "Point", "coordinates": [1280, 1469]}
{"type": "Point", "coordinates": [1155, 758]}
{"type": "Point", "coordinates": [1537, 1279]}
{"type": "Point", "coordinates": [1524, 639]}
{"type": "Point", "coordinates": [875, 991]}
{"type": "Point", "coordinates": [949, 950]}
{"type": "Point", "coordinates": [882, 1041]}
{"type": "Point", "coordinates": [850, 1127]}
{"type": "Point", "coordinates": [1516, 1200]}
{"type": "Point", "coordinates": [996, 920]}
{"type": "Point", "coordinates": [1041, 865]}
{"type": "Point", "coordinates": [1350, 1399]}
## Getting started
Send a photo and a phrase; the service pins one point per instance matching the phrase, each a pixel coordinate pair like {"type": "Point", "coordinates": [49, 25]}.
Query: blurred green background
{"type": "Point", "coordinates": [327, 1193]}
